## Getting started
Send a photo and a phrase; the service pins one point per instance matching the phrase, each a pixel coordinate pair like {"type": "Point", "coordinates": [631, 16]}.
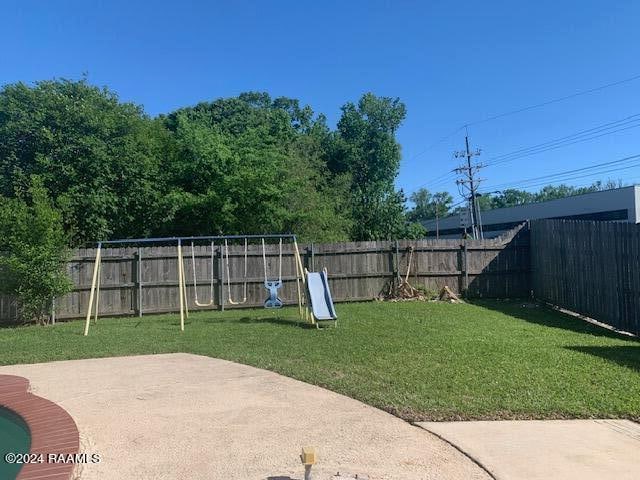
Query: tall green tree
{"type": "Point", "coordinates": [248, 164]}
{"type": "Point", "coordinates": [366, 148]}
{"type": "Point", "coordinates": [96, 156]}
{"type": "Point", "coordinates": [253, 165]}
{"type": "Point", "coordinates": [33, 250]}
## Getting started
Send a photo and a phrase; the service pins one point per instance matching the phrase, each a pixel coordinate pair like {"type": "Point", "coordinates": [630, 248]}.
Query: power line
{"type": "Point", "coordinates": [577, 137]}
{"type": "Point", "coordinates": [435, 144]}
{"type": "Point", "coordinates": [562, 179]}
{"type": "Point", "coordinates": [569, 174]}
{"type": "Point", "coordinates": [585, 135]}
{"type": "Point", "coordinates": [631, 181]}
{"type": "Point", "coordinates": [596, 165]}
{"type": "Point", "coordinates": [438, 181]}
{"type": "Point", "coordinates": [507, 160]}
{"type": "Point", "coordinates": [543, 184]}
{"type": "Point", "coordinates": [551, 145]}
{"type": "Point", "coordinates": [527, 108]}
{"type": "Point", "coordinates": [593, 130]}
{"type": "Point", "coordinates": [555, 100]}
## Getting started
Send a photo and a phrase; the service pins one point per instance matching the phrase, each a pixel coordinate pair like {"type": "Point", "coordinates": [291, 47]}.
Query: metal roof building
{"type": "Point", "coordinates": [619, 204]}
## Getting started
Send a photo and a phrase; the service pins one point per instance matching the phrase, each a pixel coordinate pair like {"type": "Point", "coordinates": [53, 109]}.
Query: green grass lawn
{"type": "Point", "coordinates": [421, 361]}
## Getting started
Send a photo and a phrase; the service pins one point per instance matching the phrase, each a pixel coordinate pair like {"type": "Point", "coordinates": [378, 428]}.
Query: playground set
{"type": "Point", "coordinates": [315, 304]}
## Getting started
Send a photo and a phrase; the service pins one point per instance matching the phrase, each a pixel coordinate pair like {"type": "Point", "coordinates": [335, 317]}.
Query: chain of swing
{"type": "Point", "coordinates": [272, 285]}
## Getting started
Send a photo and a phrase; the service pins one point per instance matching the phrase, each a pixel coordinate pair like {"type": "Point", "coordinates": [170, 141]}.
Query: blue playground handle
{"type": "Point", "coordinates": [273, 301]}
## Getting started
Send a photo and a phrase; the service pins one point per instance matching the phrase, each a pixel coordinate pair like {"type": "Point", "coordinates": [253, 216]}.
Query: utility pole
{"type": "Point", "coordinates": [469, 184]}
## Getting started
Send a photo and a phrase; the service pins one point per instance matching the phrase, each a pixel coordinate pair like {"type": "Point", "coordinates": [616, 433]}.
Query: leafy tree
{"type": "Point", "coordinates": [512, 197]}
{"type": "Point", "coordinates": [96, 156]}
{"type": "Point", "coordinates": [250, 165]}
{"type": "Point", "coordinates": [484, 202]}
{"type": "Point", "coordinates": [388, 220]}
{"type": "Point", "coordinates": [301, 117]}
{"type": "Point", "coordinates": [34, 251]}
{"type": "Point", "coordinates": [551, 192]}
{"type": "Point", "coordinates": [366, 147]}
{"type": "Point", "coordinates": [317, 203]}
{"type": "Point", "coordinates": [428, 205]}
{"type": "Point", "coordinates": [413, 231]}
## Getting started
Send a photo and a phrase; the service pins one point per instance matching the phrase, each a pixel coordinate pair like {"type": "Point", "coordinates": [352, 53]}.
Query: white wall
{"type": "Point", "coordinates": [607, 200]}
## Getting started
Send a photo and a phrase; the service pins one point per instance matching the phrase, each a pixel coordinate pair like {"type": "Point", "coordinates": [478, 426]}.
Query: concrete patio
{"type": "Point", "coordinates": [182, 416]}
{"type": "Point", "coordinates": [541, 450]}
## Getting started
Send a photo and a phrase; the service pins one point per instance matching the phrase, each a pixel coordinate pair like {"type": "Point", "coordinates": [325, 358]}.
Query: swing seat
{"type": "Point", "coordinates": [273, 301]}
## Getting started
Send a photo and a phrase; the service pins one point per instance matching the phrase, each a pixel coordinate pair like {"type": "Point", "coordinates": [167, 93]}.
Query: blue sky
{"type": "Point", "coordinates": [452, 63]}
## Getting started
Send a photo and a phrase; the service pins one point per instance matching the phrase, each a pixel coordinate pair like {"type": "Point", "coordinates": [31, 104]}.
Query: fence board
{"type": "Point", "coordinates": [591, 268]}
{"type": "Point", "coordinates": [357, 271]}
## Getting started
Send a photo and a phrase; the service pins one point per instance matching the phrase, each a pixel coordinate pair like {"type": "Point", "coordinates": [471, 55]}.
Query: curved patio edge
{"type": "Point", "coordinates": [55, 441]}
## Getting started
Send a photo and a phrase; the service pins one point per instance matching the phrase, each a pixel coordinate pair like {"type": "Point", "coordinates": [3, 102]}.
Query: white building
{"type": "Point", "coordinates": [618, 204]}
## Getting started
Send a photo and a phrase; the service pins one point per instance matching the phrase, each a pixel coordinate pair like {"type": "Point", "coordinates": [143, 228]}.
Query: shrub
{"type": "Point", "coordinates": [34, 251]}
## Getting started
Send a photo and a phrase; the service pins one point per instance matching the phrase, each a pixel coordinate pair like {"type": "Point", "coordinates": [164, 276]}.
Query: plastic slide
{"type": "Point", "coordinates": [320, 296]}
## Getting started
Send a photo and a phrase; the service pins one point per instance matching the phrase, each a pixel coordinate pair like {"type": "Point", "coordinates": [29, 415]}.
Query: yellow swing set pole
{"type": "Point", "coordinates": [96, 269]}
{"type": "Point", "coordinates": [181, 285]}
{"type": "Point", "coordinates": [300, 269]}
{"type": "Point", "coordinates": [95, 318]}
{"type": "Point", "coordinates": [298, 283]}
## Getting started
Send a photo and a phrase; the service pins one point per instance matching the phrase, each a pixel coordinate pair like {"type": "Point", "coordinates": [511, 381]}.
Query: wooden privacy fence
{"type": "Point", "coordinates": [145, 280]}
{"type": "Point", "coordinates": [592, 268]}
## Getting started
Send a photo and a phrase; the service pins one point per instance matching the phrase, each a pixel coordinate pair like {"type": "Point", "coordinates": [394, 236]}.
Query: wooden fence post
{"type": "Point", "coordinates": [397, 267]}
{"type": "Point", "coordinates": [308, 258]}
{"type": "Point", "coordinates": [465, 265]}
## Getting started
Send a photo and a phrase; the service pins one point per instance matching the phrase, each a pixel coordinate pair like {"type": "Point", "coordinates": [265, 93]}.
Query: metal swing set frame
{"type": "Point", "coordinates": [271, 285]}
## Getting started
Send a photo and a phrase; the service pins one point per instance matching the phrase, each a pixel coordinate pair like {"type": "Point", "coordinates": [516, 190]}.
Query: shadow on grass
{"type": "Point", "coordinates": [256, 320]}
{"type": "Point", "coordinates": [275, 320]}
{"type": "Point", "coordinates": [625, 355]}
{"type": "Point", "coordinates": [542, 315]}
{"type": "Point", "coordinates": [13, 325]}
